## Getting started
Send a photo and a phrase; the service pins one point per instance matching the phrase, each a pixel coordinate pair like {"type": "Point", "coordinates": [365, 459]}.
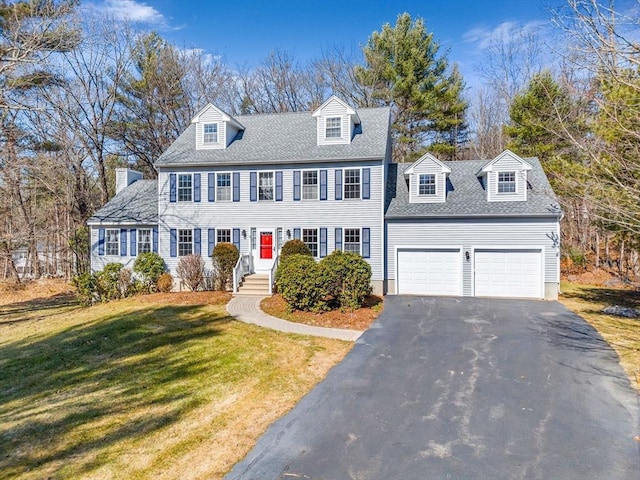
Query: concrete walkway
{"type": "Point", "coordinates": [246, 308]}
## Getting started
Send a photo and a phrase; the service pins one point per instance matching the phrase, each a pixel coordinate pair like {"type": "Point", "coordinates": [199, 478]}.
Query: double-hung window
{"type": "Point", "coordinates": [310, 238]}
{"type": "Point", "coordinates": [210, 133]}
{"type": "Point", "coordinates": [185, 242]}
{"type": "Point", "coordinates": [265, 185]}
{"type": "Point", "coordinates": [352, 240]}
{"type": "Point", "coordinates": [223, 235]}
{"type": "Point", "coordinates": [310, 185]}
{"type": "Point", "coordinates": [506, 182]}
{"type": "Point", "coordinates": [333, 127]}
{"type": "Point", "coordinates": [352, 183]}
{"type": "Point", "coordinates": [185, 188]}
{"type": "Point", "coordinates": [144, 240]}
{"type": "Point", "coordinates": [223, 187]}
{"type": "Point", "coordinates": [427, 184]}
{"type": "Point", "coordinates": [112, 241]}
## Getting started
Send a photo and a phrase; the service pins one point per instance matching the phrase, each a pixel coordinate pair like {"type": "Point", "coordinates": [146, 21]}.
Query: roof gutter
{"type": "Point", "coordinates": [558, 215]}
{"type": "Point", "coordinates": [271, 162]}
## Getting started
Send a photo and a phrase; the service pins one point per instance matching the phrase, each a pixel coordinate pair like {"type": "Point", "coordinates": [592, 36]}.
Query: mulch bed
{"type": "Point", "coordinates": [360, 319]}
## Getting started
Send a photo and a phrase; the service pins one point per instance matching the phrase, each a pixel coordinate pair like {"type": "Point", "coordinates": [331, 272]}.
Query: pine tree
{"type": "Point", "coordinates": [403, 69]}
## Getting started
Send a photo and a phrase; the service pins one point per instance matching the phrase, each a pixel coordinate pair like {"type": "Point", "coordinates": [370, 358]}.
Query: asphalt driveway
{"type": "Point", "coordinates": [462, 388]}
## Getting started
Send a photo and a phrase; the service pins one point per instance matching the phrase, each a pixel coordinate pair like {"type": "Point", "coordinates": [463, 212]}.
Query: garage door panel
{"type": "Point", "coordinates": [508, 273]}
{"type": "Point", "coordinates": [429, 271]}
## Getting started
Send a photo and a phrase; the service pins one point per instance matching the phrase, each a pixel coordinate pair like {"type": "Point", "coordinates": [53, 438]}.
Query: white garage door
{"type": "Point", "coordinates": [508, 273]}
{"type": "Point", "coordinates": [429, 272]}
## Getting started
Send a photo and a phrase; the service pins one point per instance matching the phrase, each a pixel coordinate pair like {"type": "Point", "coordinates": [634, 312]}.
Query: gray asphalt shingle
{"type": "Point", "coordinates": [282, 138]}
{"type": "Point", "coordinates": [466, 195]}
{"type": "Point", "coordinates": [138, 203]}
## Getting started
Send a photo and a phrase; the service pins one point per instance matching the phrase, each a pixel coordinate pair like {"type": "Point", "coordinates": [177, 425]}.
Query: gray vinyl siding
{"type": "Point", "coordinates": [473, 234]}
{"type": "Point", "coordinates": [286, 214]}
{"type": "Point", "coordinates": [99, 261]}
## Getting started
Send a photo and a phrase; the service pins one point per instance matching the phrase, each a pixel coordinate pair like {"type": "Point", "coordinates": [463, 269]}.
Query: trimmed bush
{"type": "Point", "coordinates": [108, 281]}
{"type": "Point", "coordinates": [164, 283]}
{"type": "Point", "coordinates": [301, 283]}
{"type": "Point", "coordinates": [149, 266]}
{"type": "Point", "coordinates": [294, 247]}
{"type": "Point", "coordinates": [191, 270]}
{"type": "Point", "coordinates": [86, 287]}
{"type": "Point", "coordinates": [348, 278]}
{"type": "Point", "coordinates": [224, 258]}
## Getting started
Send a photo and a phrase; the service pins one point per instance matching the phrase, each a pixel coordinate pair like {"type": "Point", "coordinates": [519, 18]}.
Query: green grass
{"type": "Point", "coordinates": [623, 334]}
{"type": "Point", "coordinates": [135, 390]}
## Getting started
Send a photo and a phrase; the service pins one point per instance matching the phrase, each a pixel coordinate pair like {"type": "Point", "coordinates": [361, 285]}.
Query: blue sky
{"type": "Point", "coordinates": [244, 32]}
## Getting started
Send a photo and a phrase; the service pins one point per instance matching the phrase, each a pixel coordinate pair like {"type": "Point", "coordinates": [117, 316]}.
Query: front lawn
{"type": "Point", "coordinates": [623, 334]}
{"type": "Point", "coordinates": [159, 386]}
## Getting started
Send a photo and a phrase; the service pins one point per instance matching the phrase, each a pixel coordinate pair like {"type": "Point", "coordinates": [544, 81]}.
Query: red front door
{"type": "Point", "coordinates": [266, 245]}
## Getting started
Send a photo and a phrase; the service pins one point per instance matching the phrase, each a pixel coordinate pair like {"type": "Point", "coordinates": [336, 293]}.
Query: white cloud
{"type": "Point", "coordinates": [130, 10]}
{"type": "Point", "coordinates": [483, 37]}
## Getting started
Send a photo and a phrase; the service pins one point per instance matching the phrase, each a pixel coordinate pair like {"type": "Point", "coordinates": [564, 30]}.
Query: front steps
{"type": "Point", "coordinates": [254, 284]}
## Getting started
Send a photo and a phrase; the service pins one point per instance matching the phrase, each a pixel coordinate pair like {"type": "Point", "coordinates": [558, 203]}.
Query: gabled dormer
{"type": "Point", "coordinates": [427, 179]}
{"type": "Point", "coordinates": [505, 178]}
{"type": "Point", "coordinates": [215, 129]}
{"type": "Point", "coordinates": [336, 122]}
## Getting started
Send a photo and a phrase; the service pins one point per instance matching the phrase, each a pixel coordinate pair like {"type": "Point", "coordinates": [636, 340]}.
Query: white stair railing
{"type": "Point", "coordinates": [272, 274]}
{"type": "Point", "coordinates": [243, 266]}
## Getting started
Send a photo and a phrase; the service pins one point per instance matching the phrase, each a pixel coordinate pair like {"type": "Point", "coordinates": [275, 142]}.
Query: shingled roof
{"type": "Point", "coordinates": [136, 204]}
{"type": "Point", "coordinates": [467, 197]}
{"type": "Point", "coordinates": [282, 138]}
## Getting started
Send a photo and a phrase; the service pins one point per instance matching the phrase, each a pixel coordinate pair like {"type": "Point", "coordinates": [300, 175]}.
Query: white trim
{"type": "Point", "coordinates": [427, 156]}
{"type": "Point", "coordinates": [178, 175]}
{"type": "Point", "coordinates": [204, 134]}
{"type": "Point", "coordinates": [273, 185]}
{"type": "Point", "coordinates": [178, 242]}
{"type": "Point", "coordinates": [431, 247]}
{"type": "Point", "coordinates": [435, 185]}
{"type": "Point", "coordinates": [317, 170]}
{"type": "Point", "coordinates": [344, 235]}
{"type": "Point", "coordinates": [106, 234]}
{"type": "Point", "coordinates": [225, 116]}
{"type": "Point", "coordinates": [344, 182]}
{"type": "Point", "coordinates": [488, 167]}
{"type": "Point", "coordinates": [217, 232]}
{"type": "Point", "coordinates": [217, 188]}
{"type": "Point", "coordinates": [138, 243]}
{"type": "Point", "coordinates": [539, 248]}
{"type": "Point", "coordinates": [317, 230]}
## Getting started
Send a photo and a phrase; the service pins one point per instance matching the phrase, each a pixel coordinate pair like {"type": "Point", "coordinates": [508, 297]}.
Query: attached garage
{"type": "Point", "coordinates": [513, 273]}
{"type": "Point", "coordinates": [429, 271]}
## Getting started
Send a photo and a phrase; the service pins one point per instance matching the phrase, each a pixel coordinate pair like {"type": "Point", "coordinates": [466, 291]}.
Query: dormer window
{"type": "Point", "coordinates": [210, 133]}
{"type": "Point", "coordinates": [427, 184]}
{"type": "Point", "coordinates": [506, 182]}
{"type": "Point", "coordinates": [334, 127]}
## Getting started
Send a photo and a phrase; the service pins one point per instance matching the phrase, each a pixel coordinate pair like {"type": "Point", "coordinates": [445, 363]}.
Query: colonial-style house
{"type": "Point", "coordinates": [486, 228]}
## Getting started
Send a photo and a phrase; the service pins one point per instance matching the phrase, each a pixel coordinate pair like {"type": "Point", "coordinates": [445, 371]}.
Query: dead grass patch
{"type": "Point", "coordinates": [622, 334]}
{"type": "Point", "coordinates": [12, 292]}
{"type": "Point", "coordinates": [360, 319]}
